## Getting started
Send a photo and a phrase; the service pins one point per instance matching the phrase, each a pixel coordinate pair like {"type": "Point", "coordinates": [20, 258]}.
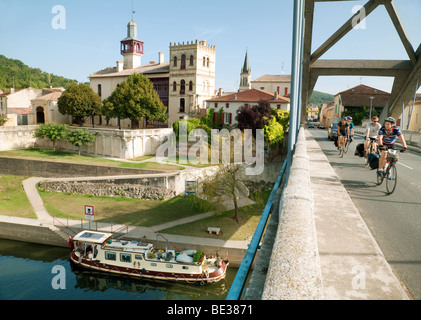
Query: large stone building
{"type": "Point", "coordinates": [183, 83]}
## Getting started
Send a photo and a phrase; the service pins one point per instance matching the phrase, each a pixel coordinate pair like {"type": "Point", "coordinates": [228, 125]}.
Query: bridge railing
{"type": "Point", "coordinates": [238, 285]}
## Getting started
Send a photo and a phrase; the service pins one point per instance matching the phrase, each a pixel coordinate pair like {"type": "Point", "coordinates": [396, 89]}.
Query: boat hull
{"type": "Point", "coordinates": [201, 278]}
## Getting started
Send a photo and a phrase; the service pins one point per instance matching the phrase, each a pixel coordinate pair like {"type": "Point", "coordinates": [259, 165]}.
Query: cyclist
{"type": "Point", "coordinates": [343, 131]}
{"type": "Point", "coordinates": [387, 137]}
{"type": "Point", "coordinates": [371, 132]}
{"type": "Point", "coordinates": [351, 126]}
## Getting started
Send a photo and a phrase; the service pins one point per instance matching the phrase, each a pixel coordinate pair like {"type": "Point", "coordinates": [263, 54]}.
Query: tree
{"type": "Point", "coordinates": [3, 120]}
{"type": "Point", "coordinates": [51, 131]}
{"type": "Point", "coordinates": [134, 99]}
{"type": "Point", "coordinates": [255, 117]}
{"type": "Point", "coordinates": [80, 137]}
{"type": "Point", "coordinates": [225, 183]}
{"type": "Point", "coordinates": [79, 101]}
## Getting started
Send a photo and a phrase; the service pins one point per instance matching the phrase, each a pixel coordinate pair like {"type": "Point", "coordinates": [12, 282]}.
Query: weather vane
{"type": "Point", "coordinates": [133, 12]}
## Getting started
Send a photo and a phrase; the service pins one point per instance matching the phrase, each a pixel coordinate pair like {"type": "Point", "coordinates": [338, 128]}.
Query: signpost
{"type": "Point", "coordinates": [190, 188]}
{"type": "Point", "coordinates": [89, 212]}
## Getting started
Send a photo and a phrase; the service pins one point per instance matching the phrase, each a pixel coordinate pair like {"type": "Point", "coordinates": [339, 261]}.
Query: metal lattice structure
{"type": "Point", "coordinates": [406, 73]}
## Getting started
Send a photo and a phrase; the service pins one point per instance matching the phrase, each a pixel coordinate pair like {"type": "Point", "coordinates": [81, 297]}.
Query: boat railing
{"type": "Point", "coordinates": [240, 279]}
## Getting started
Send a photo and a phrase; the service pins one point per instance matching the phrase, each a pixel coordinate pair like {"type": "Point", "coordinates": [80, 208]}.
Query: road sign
{"type": "Point", "coordinates": [89, 212]}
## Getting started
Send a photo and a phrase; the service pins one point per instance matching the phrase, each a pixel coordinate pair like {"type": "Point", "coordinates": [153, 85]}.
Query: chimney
{"type": "Point", "coordinates": [276, 95]}
{"type": "Point", "coordinates": [12, 90]}
{"type": "Point", "coordinates": [220, 92]}
{"type": "Point", "coordinates": [161, 57]}
{"type": "Point", "coordinates": [119, 66]}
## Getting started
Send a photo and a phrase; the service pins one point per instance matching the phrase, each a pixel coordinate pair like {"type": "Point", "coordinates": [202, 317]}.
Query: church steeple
{"type": "Point", "coordinates": [131, 47]}
{"type": "Point", "coordinates": [245, 78]}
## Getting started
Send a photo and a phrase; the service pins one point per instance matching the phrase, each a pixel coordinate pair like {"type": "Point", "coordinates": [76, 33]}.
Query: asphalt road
{"type": "Point", "coordinates": [394, 220]}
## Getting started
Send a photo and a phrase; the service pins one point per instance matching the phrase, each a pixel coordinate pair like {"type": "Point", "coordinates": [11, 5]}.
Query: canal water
{"type": "Point", "coordinates": [29, 271]}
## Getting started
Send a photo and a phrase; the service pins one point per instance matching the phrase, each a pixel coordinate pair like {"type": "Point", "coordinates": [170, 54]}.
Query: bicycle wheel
{"type": "Point", "coordinates": [392, 180]}
{"type": "Point", "coordinates": [341, 151]}
{"type": "Point", "coordinates": [369, 150]}
{"type": "Point", "coordinates": [380, 178]}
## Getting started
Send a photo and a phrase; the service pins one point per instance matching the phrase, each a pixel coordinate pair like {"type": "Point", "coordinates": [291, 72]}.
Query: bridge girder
{"type": "Point", "coordinates": [406, 73]}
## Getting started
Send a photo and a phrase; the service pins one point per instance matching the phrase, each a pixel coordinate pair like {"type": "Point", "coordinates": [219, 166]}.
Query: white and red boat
{"type": "Point", "coordinates": [99, 251]}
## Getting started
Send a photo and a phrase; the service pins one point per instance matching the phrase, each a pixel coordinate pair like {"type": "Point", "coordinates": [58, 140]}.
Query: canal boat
{"type": "Point", "coordinates": [99, 251]}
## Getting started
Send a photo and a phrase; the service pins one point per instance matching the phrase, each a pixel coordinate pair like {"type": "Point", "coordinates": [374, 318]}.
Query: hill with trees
{"type": "Point", "coordinates": [318, 97]}
{"type": "Point", "coordinates": [15, 74]}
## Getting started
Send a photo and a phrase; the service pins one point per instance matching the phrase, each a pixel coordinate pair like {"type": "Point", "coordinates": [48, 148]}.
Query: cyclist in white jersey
{"type": "Point", "coordinates": [371, 132]}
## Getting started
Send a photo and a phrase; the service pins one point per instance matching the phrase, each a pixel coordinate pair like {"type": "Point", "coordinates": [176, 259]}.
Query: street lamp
{"type": "Point", "coordinates": [371, 106]}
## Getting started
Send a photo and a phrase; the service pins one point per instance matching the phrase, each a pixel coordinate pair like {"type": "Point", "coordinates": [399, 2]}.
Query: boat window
{"type": "Point", "coordinates": [138, 257]}
{"type": "Point", "coordinates": [153, 264]}
{"type": "Point", "coordinates": [125, 257]}
{"type": "Point", "coordinates": [110, 255]}
{"type": "Point", "coordinates": [95, 251]}
{"type": "Point", "coordinates": [185, 268]}
{"type": "Point", "coordinates": [169, 266]}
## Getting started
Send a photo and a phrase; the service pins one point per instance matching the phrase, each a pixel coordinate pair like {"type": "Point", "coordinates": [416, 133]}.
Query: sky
{"type": "Point", "coordinates": [90, 39]}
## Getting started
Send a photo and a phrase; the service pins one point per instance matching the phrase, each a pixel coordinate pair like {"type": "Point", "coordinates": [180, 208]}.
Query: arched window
{"type": "Point", "coordinates": [191, 86]}
{"type": "Point", "coordinates": [175, 61]}
{"type": "Point", "coordinates": [183, 62]}
{"type": "Point", "coordinates": [182, 87]}
{"type": "Point", "coordinates": [204, 61]}
{"type": "Point", "coordinates": [182, 105]}
{"type": "Point", "coordinates": [207, 60]}
{"type": "Point", "coordinates": [191, 60]}
{"type": "Point", "coordinates": [174, 86]}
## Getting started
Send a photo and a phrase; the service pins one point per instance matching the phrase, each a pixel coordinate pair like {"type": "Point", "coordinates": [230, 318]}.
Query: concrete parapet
{"type": "Point", "coordinates": [294, 270]}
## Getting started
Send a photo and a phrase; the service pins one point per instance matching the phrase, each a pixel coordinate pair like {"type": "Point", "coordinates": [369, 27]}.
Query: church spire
{"type": "Point", "coordinates": [245, 77]}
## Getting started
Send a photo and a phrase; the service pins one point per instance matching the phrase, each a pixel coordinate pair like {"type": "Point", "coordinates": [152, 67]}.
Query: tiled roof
{"type": "Point", "coordinates": [274, 78]}
{"type": "Point", "coordinates": [146, 69]}
{"type": "Point", "coordinates": [50, 96]}
{"type": "Point", "coordinates": [4, 94]}
{"type": "Point", "coordinates": [22, 111]}
{"type": "Point", "coordinates": [360, 96]}
{"type": "Point", "coordinates": [252, 95]}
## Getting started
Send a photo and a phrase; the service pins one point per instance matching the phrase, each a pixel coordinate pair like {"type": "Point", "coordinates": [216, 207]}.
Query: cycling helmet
{"type": "Point", "coordinates": [390, 119]}
{"type": "Point", "coordinates": [349, 118]}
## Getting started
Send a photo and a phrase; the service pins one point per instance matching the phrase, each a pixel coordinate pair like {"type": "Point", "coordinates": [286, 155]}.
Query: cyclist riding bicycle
{"type": "Point", "coordinates": [351, 127]}
{"type": "Point", "coordinates": [387, 137]}
{"type": "Point", "coordinates": [343, 131]}
{"type": "Point", "coordinates": [371, 132]}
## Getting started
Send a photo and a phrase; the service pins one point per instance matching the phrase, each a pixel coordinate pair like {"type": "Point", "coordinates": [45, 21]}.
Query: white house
{"type": "Point", "coordinates": [232, 102]}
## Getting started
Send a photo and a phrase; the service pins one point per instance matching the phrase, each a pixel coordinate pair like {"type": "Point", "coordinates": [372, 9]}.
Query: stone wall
{"type": "Point", "coordinates": [49, 169]}
{"type": "Point", "coordinates": [109, 190]}
{"type": "Point", "coordinates": [123, 144]}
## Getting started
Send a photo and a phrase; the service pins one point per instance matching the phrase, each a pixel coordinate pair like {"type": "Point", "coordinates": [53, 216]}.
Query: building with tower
{"type": "Point", "coordinates": [183, 84]}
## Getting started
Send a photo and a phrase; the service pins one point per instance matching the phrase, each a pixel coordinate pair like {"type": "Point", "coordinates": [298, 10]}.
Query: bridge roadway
{"type": "Point", "coordinates": [323, 248]}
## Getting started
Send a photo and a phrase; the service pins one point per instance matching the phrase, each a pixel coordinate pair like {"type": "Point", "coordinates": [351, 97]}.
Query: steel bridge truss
{"type": "Point", "coordinates": [406, 73]}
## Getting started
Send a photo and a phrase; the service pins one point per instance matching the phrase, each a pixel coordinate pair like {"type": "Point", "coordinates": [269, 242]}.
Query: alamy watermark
{"type": "Point", "coordinates": [59, 20]}
{"type": "Point", "coordinates": [358, 21]}
{"type": "Point", "coordinates": [58, 281]}
{"type": "Point", "coordinates": [226, 146]}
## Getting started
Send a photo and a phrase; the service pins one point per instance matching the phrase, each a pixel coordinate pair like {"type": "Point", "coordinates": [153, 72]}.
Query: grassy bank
{"type": "Point", "coordinates": [60, 156]}
{"type": "Point", "coordinates": [134, 212]}
{"type": "Point", "coordinates": [13, 200]}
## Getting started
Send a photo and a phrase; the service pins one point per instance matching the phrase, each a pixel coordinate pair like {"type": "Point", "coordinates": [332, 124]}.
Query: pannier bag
{"type": "Point", "coordinates": [359, 150]}
{"type": "Point", "coordinates": [373, 160]}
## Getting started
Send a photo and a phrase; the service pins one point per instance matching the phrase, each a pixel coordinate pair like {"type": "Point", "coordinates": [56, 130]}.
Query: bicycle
{"type": "Point", "coordinates": [341, 147]}
{"type": "Point", "coordinates": [372, 148]}
{"type": "Point", "coordinates": [348, 142]}
{"type": "Point", "coordinates": [390, 173]}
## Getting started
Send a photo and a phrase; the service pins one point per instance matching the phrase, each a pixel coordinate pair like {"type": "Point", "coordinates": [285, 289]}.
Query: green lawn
{"type": "Point", "coordinates": [13, 200]}
{"type": "Point", "coordinates": [60, 156]}
{"type": "Point", "coordinates": [135, 212]}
